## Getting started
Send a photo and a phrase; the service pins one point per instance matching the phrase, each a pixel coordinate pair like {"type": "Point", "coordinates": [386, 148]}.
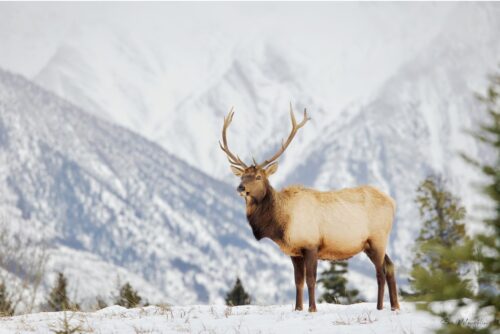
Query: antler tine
{"type": "Point", "coordinates": [284, 144]}
{"type": "Point", "coordinates": [233, 159]}
{"type": "Point", "coordinates": [294, 122]}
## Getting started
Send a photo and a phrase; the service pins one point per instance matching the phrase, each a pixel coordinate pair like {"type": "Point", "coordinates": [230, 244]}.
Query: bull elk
{"type": "Point", "coordinates": [309, 225]}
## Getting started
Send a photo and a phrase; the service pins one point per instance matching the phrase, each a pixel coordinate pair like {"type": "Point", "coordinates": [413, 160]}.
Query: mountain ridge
{"type": "Point", "coordinates": [95, 188]}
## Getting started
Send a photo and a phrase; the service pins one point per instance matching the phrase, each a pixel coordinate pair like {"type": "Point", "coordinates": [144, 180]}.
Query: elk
{"type": "Point", "coordinates": [310, 225]}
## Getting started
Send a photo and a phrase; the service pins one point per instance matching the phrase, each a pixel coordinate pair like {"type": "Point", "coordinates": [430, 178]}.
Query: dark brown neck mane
{"type": "Point", "coordinates": [263, 217]}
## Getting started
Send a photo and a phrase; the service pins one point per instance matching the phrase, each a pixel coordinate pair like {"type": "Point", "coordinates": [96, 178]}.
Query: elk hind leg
{"type": "Point", "coordinates": [391, 282]}
{"type": "Point", "coordinates": [377, 257]}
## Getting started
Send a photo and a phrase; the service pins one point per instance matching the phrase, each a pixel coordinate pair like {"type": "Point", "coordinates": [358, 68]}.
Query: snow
{"type": "Point", "coordinates": [357, 318]}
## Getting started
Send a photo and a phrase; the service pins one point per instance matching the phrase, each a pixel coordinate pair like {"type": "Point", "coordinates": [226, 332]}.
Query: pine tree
{"type": "Point", "coordinates": [443, 226]}
{"type": "Point", "coordinates": [484, 248]}
{"type": "Point", "coordinates": [6, 308]}
{"type": "Point", "coordinates": [335, 285]}
{"type": "Point", "coordinates": [128, 297]}
{"type": "Point", "coordinates": [58, 298]}
{"type": "Point", "coordinates": [237, 295]}
{"type": "Point", "coordinates": [488, 243]}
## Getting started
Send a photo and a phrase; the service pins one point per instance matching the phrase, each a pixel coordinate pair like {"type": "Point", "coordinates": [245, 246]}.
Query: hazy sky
{"type": "Point", "coordinates": [30, 33]}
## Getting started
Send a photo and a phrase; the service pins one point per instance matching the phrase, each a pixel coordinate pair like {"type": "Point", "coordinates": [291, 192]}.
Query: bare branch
{"type": "Point", "coordinates": [24, 260]}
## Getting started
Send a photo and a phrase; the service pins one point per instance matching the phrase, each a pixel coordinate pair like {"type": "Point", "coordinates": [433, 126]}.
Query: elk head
{"type": "Point", "coordinates": [254, 179]}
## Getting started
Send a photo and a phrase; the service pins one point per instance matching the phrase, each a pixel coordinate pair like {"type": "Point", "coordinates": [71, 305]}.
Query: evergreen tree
{"type": "Point", "coordinates": [6, 308]}
{"type": "Point", "coordinates": [443, 226]}
{"type": "Point", "coordinates": [484, 248]}
{"type": "Point", "coordinates": [488, 243]}
{"type": "Point", "coordinates": [237, 295]}
{"type": "Point", "coordinates": [335, 285]}
{"type": "Point", "coordinates": [128, 297]}
{"type": "Point", "coordinates": [58, 298]}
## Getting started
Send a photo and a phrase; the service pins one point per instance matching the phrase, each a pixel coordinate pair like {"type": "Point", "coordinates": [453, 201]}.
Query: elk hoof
{"type": "Point", "coordinates": [298, 308]}
{"type": "Point", "coordinates": [395, 308]}
{"type": "Point", "coordinates": [312, 309]}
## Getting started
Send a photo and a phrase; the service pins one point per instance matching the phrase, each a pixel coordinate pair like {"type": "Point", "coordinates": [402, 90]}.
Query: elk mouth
{"type": "Point", "coordinates": [244, 193]}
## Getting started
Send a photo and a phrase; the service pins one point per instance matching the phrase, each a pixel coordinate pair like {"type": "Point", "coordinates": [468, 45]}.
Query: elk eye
{"type": "Point", "coordinates": [258, 177]}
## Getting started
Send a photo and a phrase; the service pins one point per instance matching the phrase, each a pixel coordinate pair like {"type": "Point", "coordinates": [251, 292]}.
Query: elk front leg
{"type": "Point", "coordinates": [311, 264]}
{"type": "Point", "coordinates": [299, 271]}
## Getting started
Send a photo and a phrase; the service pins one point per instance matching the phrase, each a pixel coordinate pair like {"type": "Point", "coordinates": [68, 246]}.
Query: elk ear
{"type": "Point", "coordinates": [236, 171]}
{"type": "Point", "coordinates": [271, 169]}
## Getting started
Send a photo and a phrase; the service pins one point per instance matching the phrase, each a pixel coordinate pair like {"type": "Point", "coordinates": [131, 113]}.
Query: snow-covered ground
{"type": "Point", "coordinates": [357, 318]}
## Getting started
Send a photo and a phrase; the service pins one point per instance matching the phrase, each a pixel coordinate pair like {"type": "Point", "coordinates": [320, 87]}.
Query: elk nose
{"type": "Point", "coordinates": [241, 188]}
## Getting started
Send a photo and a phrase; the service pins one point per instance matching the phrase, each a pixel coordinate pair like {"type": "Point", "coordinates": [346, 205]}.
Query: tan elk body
{"type": "Point", "coordinates": [309, 225]}
{"type": "Point", "coordinates": [338, 223]}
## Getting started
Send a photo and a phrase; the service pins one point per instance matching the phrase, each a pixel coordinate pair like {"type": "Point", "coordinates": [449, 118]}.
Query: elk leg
{"type": "Point", "coordinates": [299, 271]}
{"type": "Point", "coordinates": [311, 262]}
{"type": "Point", "coordinates": [391, 282]}
{"type": "Point", "coordinates": [378, 260]}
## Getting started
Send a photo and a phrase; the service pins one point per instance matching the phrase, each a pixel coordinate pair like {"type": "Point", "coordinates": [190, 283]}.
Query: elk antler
{"type": "Point", "coordinates": [233, 159]}
{"type": "Point", "coordinates": [284, 145]}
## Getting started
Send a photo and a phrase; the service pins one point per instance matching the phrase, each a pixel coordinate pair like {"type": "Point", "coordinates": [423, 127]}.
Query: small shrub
{"type": "Point", "coordinates": [128, 297]}
{"type": "Point", "coordinates": [6, 308]}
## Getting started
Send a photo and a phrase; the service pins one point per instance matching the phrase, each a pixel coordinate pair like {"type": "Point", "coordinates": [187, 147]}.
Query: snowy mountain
{"type": "Point", "coordinates": [114, 206]}
{"type": "Point", "coordinates": [131, 79]}
{"type": "Point", "coordinates": [389, 88]}
{"type": "Point", "coordinates": [173, 86]}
